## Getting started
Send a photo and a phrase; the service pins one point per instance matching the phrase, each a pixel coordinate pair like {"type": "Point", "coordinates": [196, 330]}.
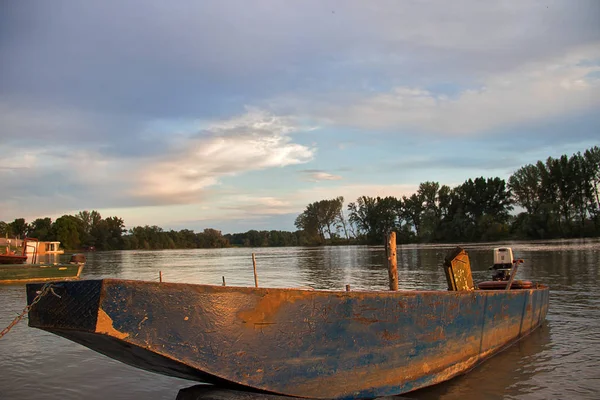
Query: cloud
{"type": "Point", "coordinates": [315, 175]}
{"type": "Point", "coordinates": [114, 104]}
{"type": "Point", "coordinates": [100, 79]}
{"type": "Point", "coordinates": [528, 94]}
{"type": "Point", "coordinates": [53, 180]}
{"type": "Point", "coordinates": [184, 174]}
{"type": "Point", "coordinates": [254, 206]}
{"type": "Point", "coordinates": [147, 59]}
{"type": "Point", "coordinates": [250, 142]}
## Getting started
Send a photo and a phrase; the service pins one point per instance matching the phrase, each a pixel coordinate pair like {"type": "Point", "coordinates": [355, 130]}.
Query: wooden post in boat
{"type": "Point", "coordinates": [392, 263]}
{"type": "Point", "coordinates": [255, 276]}
{"type": "Point", "coordinates": [223, 281]}
{"type": "Point", "coordinates": [513, 272]}
{"type": "Point", "coordinates": [347, 288]}
{"type": "Point", "coordinates": [160, 276]}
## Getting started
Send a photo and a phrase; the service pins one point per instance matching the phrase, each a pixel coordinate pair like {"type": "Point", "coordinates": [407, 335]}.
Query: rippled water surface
{"type": "Point", "coordinates": [559, 360]}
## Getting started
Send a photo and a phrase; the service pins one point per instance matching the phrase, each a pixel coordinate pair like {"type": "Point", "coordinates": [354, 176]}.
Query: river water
{"type": "Point", "coordinates": [560, 360]}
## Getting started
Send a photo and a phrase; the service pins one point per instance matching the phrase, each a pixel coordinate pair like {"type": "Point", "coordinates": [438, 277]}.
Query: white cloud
{"type": "Point", "coordinates": [51, 180]}
{"type": "Point", "coordinates": [254, 141]}
{"type": "Point", "coordinates": [247, 206]}
{"type": "Point", "coordinates": [70, 179]}
{"type": "Point", "coordinates": [530, 93]}
{"type": "Point", "coordinates": [318, 176]}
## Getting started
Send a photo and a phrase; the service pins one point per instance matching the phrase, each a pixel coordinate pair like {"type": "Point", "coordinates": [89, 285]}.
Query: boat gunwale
{"type": "Point", "coordinates": [40, 279]}
{"type": "Point", "coordinates": [537, 286]}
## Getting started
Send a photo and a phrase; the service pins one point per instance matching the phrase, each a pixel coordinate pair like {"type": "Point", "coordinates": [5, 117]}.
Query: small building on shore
{"type": "Point", "coordinates": [34, 246]}
{"type": "Point", "coordinates": [42, 248]}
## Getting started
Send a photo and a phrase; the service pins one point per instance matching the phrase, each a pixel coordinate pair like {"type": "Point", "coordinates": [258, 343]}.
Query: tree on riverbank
{"type": "Point", "coordinates": [476, 209]}
{"type": "Point", "coordinates": [560, 197]}
{"type": "Point", "coordinates": [323, 219]}
{"type": "Point", "coordinates": [86, 229]}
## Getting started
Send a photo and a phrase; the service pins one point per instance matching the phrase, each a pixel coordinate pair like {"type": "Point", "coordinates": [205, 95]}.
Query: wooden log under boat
{"type": "Point", "coordinates": [304, 343]}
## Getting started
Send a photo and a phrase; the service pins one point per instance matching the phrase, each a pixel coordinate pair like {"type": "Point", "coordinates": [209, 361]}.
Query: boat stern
{"type": "Point", "coordinates": [64, 305]}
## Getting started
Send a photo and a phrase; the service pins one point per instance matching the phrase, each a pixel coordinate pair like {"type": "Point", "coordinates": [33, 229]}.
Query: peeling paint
{"type": "Point", "coordinates": [268, 306]}
{"type": "Point", "coordinates": [104, 325]}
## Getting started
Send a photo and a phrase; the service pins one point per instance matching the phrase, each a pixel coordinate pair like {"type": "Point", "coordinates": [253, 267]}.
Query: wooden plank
{"type": "Point", "coordinates": [392, 261]}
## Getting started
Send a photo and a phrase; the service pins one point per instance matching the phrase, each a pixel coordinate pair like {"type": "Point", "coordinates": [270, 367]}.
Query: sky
{"type": "Point", "coordinates": [235, 115]}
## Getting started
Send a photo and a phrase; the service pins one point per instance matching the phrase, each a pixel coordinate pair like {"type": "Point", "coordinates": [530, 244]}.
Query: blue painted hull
{"type": "Point", "coordinates": [317, 344]}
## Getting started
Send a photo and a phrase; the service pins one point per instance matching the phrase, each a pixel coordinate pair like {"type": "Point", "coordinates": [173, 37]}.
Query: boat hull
{"type": "Point", "coordinates": [317, 344]}
{"type": "Point", "coordinates": [12, 259]}
{"type": "Point", "coordinates": [18, 273]}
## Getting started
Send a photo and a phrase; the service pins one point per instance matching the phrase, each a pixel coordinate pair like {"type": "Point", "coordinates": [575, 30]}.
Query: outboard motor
{"type": "Point", "coordinates": [503, 263]}
{"type": "Point", "coordinates": [505, 268]}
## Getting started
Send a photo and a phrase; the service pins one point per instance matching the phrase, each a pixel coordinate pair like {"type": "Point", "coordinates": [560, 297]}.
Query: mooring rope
{"type": "Point", "coordinates": [47, 288]}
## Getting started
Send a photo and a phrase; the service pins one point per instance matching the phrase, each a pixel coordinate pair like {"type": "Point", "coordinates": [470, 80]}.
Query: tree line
{"type": "Point", "coordinates": [88, 230]}
{"type": "Point", "coordinates": [555, 198]}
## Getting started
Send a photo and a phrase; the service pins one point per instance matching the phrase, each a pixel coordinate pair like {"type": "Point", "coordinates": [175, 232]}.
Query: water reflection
{"type": "Point", "coordinates": [106, 264]}
{"type": "Point", "coordinates": [208, 392]}
{"type": "Point", "coordinates": [509, 373]}
{"type": "Point", "coordinates": [46, 258]}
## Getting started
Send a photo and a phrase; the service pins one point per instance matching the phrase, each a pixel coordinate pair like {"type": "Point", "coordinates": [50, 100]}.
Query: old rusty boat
{"type": "Point", "coordinates": [296, 342]}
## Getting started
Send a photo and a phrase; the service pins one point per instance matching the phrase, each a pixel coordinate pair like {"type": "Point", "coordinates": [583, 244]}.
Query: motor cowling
{"type": "Point", "coordinates": [503, 263]}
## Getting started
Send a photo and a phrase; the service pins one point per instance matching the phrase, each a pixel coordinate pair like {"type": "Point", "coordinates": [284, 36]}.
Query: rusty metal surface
{"type": "Point", "coordinates": [305, 343]}
{"type": "Point", "coordinates": [457, 267]}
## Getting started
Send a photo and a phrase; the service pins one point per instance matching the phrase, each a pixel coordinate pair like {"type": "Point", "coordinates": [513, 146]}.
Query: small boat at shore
{"type": "Point", "coordinates": [41, 272]}
{"type": "Point", "coordinates": [11, 257]}
{"type": "Point", "coordinates": [296, 342]}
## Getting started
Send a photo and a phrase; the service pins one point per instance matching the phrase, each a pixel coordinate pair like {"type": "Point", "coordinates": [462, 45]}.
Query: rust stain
{"type": "Point", "coordinates": [457, 358]}
{"type": "Point", "coordinates": [104, 324]}
{"type": "Point", "coordinates": [390, 336]}
{"type": "Point", "coordinates": [268, 306]}
{"type": "Point", "coordinates": [426, 368]}
{"type": "Point", "coordinates": [364, 320]}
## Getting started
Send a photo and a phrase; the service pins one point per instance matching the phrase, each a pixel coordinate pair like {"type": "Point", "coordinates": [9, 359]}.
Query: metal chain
{"type": "Point", "coordinates": [44, 291]}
